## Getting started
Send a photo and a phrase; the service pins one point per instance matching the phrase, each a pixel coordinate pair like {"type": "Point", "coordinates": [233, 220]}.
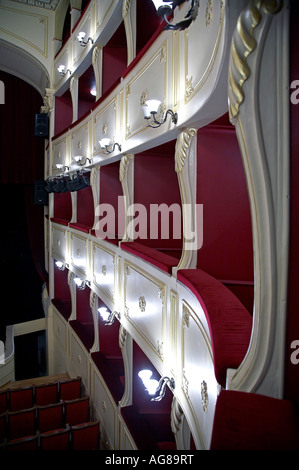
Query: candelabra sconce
{"type": "Point", "coordinates": [155, 388]}
{"type": "Point", "coordinates": [165, 8]}
{"type": "Point", "coordinates": [80, 160]}
{"type": "Point", "coordinates": [81, 37]}
{"type": "Point", "coordinates": [150, 110]}
{"type": "Point", "coordinates": [62, 71]}
{"type": "Point", "coordinates": [107, 316]}
{"type": "Point", "coordinates": [61, 266]}
{"type": "Point", "coordinates": [107, 146]}
{"type": "Point", "coordinates": [62, 167]}
{"type": "Point", "coordinates": [81, 283]}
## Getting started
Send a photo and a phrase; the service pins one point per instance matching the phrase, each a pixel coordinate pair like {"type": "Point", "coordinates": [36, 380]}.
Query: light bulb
{"type": "Point", "coordinates": [104, 313]}
{"type": "Point", "coordinates": [153, 105]}
{"type": "Point", "coordinates": [104, 142]}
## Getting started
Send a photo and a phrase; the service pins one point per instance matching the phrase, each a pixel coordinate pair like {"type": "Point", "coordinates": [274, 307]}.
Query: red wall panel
{"type": "Point", "coordinates": [227, 251]}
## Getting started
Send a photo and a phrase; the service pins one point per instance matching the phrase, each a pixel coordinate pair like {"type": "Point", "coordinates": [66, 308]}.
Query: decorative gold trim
{"type": "Point", "coordinates": [204, 395]}
{"type": "Point", "coordinates": [142, 303]}
{"type": "Point", "coordinates": [182, 148]}
{"type": "Point", "coordinates": [123, 166]}
{"type": "Point", "coordinates": [243, 44]}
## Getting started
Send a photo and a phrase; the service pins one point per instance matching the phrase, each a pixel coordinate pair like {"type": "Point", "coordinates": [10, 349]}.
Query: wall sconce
{"type": "Point", "coordinates": [80, 160]}
{"type": "Point", "coordinates": [61, 70]}
{"type": "Point", "coordinates": [150, 110]}
{"type": "Point", "coordinates": [80, 283]}
{"type": "Point", "coordinates": [81, 37]}
{"type": "Point", "coordinates": [105, 144]}
{"type": "Point", "coordinates": [60, 265]}
{"type": "Point", "coordinates": [107, 316]}
{"type": "Point", "coordinates": [165, 8]}
{"type": "Point", "coordinates": [153, 386]}
{"type": "Point", "coordinates": [62, 167]}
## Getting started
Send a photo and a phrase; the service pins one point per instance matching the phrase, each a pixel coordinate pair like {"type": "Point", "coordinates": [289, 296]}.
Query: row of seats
{"type": "Point", "coordinates": [17, 424]}
{"type": "Point", "coordinates": [83, 436]}
{"type": "Point", "coordinates": [16, 399]}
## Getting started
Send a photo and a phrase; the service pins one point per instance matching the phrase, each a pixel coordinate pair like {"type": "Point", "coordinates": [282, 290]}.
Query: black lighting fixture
{"type": "Point", "coordinates": [165, 8]}
{"type": "Point", "coordinates": [155, 388]}
{"type": "Point", "coordinates": [80, 160]}
{"type": "Point", "coordinates": [107, 146]}
{"type": "Point", "coordinates": [81, 37]}
{"type": "Point", "coordinates": [150, 110]}
{"type": "Point", "coordinates": [65, 183]}
{"type": "Point", "coordinates": [62, 167]}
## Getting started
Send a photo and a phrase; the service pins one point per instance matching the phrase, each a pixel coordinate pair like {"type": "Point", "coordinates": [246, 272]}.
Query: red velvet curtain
{"type": "Point", "coordinates": [22, 156]}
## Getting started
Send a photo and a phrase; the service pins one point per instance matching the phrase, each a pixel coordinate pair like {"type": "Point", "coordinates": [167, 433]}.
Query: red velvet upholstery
{"type": "Point", "coordinates": [57, 220]}
{"type": "Point", "coordinates": [85, 436]}
{"type": "Point", "coordinates": [81, 227]}
{"type": "Point", "coordinates": [50, 417]}
{"type": "Point", "coordinates": [246, 421]}
{"type": "Point", "coordinates": [21, 423]}
{"type": "Point", "coordinates": [3, 420]}
{"type": "Point", "coordinates": [70, 389]}
{"type": "Point", "coordinates": [20, 398]}
{"type": "Point", "coordinates": [46, 394]}
{"type": "Point", "coordinates": [3, 402]}
{"type": "Point", "coordinates": [77, 411]}
{"type": "Point", "coordinates": [58, 439]}
{"type": "Point", "coordinates": [229, 322]}
{"type": "Point", "coordinates": [24, 443]}
{"type": "Point", "coordinates": [155, 257]}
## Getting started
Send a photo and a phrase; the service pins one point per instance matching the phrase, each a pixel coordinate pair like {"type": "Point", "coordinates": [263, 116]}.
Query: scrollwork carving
{"type": "Point", "coordinates": [204, 395]}
{"type": "Point", "coordinates": [182, 148]}
{"type": "Point", "coordinates": [142, 303]}
{"type": "Point", "coordinates": [243, 44]}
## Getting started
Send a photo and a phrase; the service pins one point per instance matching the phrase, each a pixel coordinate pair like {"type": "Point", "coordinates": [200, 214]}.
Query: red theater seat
{"type": "Point", "coordinates": [46, 394]}
{"type": "Point", "coordinates": [50, 417]}
{"type": "Point", "coordinates": [70, 389]}
{"type": "Point", "coordinates": [85, 436]}
{"type": "Point", "coordinates": [21, 423]}
{"type": "Point", "coordinates": [58, 439]}
{"type": "Point", "coordinates": [77, 411]}
{"type": "Point", "coordinates": [3, 421]}
{"type": "Point", "coordinates": [20, 398]}
{"type": "Point", "coordinates": [3, 402]}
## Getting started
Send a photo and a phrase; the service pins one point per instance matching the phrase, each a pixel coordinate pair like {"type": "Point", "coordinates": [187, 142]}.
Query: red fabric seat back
{"type": "Point", "coordinates": [50, 417]}
{"type": "Point", "coordinates": [85, 436]}
{"type": "Point", "coordinates": [57, 439]}
{"type": "Point", "coordinates": [46, 394]}
{"type": "Point", "coordinates": [3, 419]}
{"type": "Point", "coordinates": [21, 398]}
{"type": "Point", "coordinates": [70, 389]}
{"type": "Point", "coordinates": [77, 411]}
{"type": "Point", "coordinates": [3, 402]}
{"type": "Point", "coordinates": [21, 423]}
{"type": "Point", "coordinates": [24, 443]}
